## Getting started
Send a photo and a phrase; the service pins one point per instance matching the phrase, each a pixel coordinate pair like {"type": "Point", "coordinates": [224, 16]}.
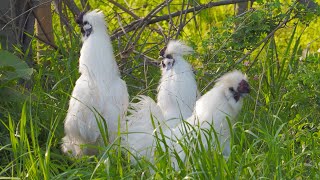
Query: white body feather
{"type": "Point", "coordinates": [99, 88]}
{"type": "Point", "coordinates": [140, 129]}
{"type": "Point", "coordinates": [213, 108]}
{"type": "Point", "coordinates": [177, 94]}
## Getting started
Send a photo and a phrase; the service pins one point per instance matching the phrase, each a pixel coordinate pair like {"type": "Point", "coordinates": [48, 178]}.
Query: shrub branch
{"type": "Point", "coordinates": [149, 20]}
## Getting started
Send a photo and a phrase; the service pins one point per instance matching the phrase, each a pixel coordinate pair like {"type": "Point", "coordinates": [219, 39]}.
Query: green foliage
{"type": "Point", "coordinates": [251, 27]}
{"type": "Point", "coordinates": [13, 71]}
{"type": "Point", "coordinates": [304, 85]}
{"type": "Point", "coordinates": [12, 68]}
{"type": "Point", "coordinates": [306, 14]}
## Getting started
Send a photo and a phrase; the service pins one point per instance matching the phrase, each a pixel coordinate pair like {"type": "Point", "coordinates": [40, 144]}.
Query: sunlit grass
{"type": "Point", "coordinates": [276, 136]}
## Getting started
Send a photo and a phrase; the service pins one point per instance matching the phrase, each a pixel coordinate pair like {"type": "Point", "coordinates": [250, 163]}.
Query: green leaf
{"type": "Point", "coordinates": [8, 94]}
{"type": "Point", "coordinates": [11, 67]}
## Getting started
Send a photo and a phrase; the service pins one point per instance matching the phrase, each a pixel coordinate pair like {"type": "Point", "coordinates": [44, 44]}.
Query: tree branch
{"type": "Point", "coordinates": [63, 19]}
{"type": "Point", "coordinates": [72, 6]}
{"type": "Point", "coordinates": [309, 4]}
{"type": "Point", "coordinates": [124, 9]}
{"type": "Point", "coordinates": [286, 20]}
{"type": "Point", "coordinates": [139, 23]}
{"type": "Point", "coordinates": [280, 25]}
{"type": "Point", "coordinates": [144, 23]}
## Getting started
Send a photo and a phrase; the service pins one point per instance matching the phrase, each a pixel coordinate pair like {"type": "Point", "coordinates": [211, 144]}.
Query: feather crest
{"type": "Point", "coordinates": [178, 48]}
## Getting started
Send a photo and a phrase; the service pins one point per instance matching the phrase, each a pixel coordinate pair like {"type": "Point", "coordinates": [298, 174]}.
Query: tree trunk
{"type": "Point", "coordinates": [44, 29]}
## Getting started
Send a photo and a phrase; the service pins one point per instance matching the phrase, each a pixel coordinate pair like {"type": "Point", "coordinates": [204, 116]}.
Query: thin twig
{"type": "Point", "coordinates": [145, 21]}
{"type": "Point", "coordinates": [150, 60]}
{"type": "Point", "coordinates": [119, 18]}
{"type": "Point", "coordinates": [182, 20]}
{"type": "Point", "coordinates": [85, 5]}
{"type": "Point", "coordinates": [47, 42]}
{"type": "Point", "coordinates": [25, 12]}
{"type": "Point", "coordinates": [266, 38]}
{"type": "Point", "coordinates": [170, 23]}
{"type": "Point", "coordinates": [63, 18]}
{"type": "Point", "coordinates": [280, 25]}
{"type": "Point", "coordinates": [256, 58]}
{"type": "Point", "coordinates": [72, 6]}
{"type": "Point", "coordinates": [124, 9]}
{"type": "Point", "coordinates": [137, 23]}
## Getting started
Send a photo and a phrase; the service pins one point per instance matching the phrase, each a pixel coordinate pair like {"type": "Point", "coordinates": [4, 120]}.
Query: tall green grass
{"type": "Point", "coordinates": [277, 135]}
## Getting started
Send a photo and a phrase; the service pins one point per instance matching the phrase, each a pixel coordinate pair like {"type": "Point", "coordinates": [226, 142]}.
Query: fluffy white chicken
{"type": "Point", "coordinates": [99, 89]}
{"type": "Point", "coordinates": [224, 101]}
{"type": "Point", "coordinates": [177, 94]}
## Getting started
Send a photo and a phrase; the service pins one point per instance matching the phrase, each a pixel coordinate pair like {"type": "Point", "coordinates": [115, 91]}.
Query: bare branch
{"type": "Point", "coordinates": [280, 25]}
{"type": "Point", "coordinates": [139, 23]}
{"type": "Point", "coordinates": [63, 18]}
{"type": "Point", "coordinates": [72, 6]}
{"type": "Point", "coordinates": [145, 21]}
{"type": "Point", "coordinates": [46, 42]}
{"type": "Point", "coordinates": [22, 14]}
{"type": "Point", "coordinates": [287, 19]}
{"type": "Point", "coordinates": [85, 5]}
{"type": "Point", "coordinates": [124, 9]}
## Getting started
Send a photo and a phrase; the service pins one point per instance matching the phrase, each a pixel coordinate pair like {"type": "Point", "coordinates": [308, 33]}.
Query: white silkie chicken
{"type": "Point", "coordinates": [224, 101]}
{"type": "Point", "coordinates": [99, 89]}
{"type": "Point", "coordinates": [177, 94]}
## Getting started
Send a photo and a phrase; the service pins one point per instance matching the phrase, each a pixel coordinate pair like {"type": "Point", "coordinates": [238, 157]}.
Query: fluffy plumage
{"type": "Point", "coordinates": [99, 89]}
{"type": "Point", "coordinates": [139, 137]}
{"type": "Point", "coordinates": [177, 94]}
{"type": "Point", "coordinates": [223, 101]}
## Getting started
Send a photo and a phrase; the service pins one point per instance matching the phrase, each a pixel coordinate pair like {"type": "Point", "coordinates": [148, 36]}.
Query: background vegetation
{"type": "Point", "coordinates": [277, 135]}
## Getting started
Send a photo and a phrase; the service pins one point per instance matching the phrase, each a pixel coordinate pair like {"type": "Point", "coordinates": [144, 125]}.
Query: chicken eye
{"type": "Point", "coordinates": [85, 22]}
{"type": "Point", "coordinates": [231, 89]}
